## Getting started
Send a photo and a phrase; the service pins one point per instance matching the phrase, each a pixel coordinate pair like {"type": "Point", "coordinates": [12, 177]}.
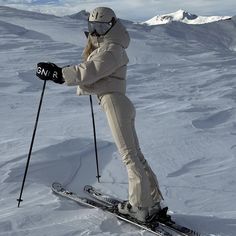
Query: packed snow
{"type": "Point", "coordinates": [182, 80]}
{"type": "Point", "coordinates": [184, 17]}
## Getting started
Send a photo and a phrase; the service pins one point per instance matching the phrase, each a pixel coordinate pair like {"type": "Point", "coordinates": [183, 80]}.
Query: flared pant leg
{"type": "Point", "coordinates": [143, 185]}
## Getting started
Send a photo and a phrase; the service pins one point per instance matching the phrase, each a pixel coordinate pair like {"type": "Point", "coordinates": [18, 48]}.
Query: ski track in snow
{"type": "Point", "coordinates": [181, 79]}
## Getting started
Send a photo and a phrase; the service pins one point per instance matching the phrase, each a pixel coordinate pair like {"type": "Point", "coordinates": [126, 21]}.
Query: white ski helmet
{"type": "Point", "coordinates": [102, 14]}
{"type": "Point", "coordinates": [101, 20]}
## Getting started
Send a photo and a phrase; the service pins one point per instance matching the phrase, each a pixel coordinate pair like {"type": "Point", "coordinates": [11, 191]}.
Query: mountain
{"type": "Point", "coordinates": [184, 17]}
{"type": "Point", "coordinates": [82, 15]}
{"type": "Point", "coordinates": [181, 79]}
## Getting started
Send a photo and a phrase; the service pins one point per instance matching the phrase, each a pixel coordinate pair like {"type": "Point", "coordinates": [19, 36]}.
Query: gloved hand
{"type": "Point", "coordinates": [49, 71]}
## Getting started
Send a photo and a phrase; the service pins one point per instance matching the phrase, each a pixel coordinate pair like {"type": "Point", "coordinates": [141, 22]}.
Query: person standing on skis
{"type": "Point", "coordinates": [103, 73]}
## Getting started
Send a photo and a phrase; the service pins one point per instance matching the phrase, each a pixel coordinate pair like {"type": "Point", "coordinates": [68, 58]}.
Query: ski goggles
{"type": "Point", "coordinates": [99, 28]}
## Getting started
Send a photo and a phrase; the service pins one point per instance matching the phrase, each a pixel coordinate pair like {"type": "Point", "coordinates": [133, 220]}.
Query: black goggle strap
{"type": "Point", "coordinates": [86, 33]}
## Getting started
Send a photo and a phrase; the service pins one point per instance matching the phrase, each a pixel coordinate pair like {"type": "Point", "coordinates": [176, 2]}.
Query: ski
{"type": "Point", "coordinates": [153, 227]}
{"type": "Point", "coordinates": [110, 200]}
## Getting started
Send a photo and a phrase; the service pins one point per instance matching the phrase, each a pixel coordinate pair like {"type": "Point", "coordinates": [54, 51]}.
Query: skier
{"type": "Point", "coordinates": [103, 73]}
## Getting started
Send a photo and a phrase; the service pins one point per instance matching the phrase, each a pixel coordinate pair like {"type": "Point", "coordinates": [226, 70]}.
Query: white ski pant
{"type": "Point", "coordinates": [143, 185]}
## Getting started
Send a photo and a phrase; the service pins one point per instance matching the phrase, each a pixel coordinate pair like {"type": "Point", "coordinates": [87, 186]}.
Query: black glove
{"type": "Point", "coordinates": [50, 71]}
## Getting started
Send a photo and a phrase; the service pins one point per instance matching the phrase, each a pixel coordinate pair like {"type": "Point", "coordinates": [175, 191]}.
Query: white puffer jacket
{"type": "Point", "coordinates": [105, 70]}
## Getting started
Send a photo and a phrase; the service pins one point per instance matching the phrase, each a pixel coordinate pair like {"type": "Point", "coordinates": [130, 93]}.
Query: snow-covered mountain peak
{"type": "Point", "coordinates": [184, 17]}
{"type": "Point", "coordinates": [82, 15]}
{"type": "Point", "coordinates": [181, 15]}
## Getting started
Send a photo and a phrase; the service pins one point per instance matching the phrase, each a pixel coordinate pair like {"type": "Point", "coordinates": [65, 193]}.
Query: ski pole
{"type": "Point", "coordinates": [31, 145]}
{"type": "Point", "coordinates": [95, 138]}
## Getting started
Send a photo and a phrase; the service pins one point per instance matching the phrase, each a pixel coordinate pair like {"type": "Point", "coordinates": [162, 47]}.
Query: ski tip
{"type": "Point", "coordinates": [87, 188]}
{"type": "Point", "coordinates": [56, 186]}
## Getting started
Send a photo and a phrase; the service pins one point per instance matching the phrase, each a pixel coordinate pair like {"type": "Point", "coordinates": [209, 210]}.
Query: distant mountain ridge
{"type": "Point", "coordinates": [184, 17]}
{"type": "Point", "coordinates": [81, 15]}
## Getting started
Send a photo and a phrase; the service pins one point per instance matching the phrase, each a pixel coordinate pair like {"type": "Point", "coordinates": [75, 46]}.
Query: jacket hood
{"type": "Point", "coordinates": [118, 35]}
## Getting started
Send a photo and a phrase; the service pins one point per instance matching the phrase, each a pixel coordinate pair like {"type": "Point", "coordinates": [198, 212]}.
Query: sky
{"type": "Point", "coordinates": [136, 10]}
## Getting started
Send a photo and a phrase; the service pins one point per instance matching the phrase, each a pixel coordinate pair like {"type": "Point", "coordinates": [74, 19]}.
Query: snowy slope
{"type": "Point", "coordinates": [184, 17]}
{"type": "Point", "coordinates": [181, 79]}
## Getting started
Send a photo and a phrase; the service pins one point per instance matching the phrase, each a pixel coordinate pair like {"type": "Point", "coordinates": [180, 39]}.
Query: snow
{"type": "Point", "coordinates": [181, 78]}
{"type": "Point", "coordinates": [184, 17]}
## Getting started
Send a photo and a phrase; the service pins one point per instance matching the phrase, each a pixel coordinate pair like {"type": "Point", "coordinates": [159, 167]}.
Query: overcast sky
{"type": "Point", "coordinates": [136, 10]}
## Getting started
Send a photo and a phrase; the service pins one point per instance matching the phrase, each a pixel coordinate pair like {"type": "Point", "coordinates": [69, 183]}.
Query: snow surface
{"type": "Point", "coordinates": [182, 80]}
{"type": "Point", "coordinates": [184, 17]}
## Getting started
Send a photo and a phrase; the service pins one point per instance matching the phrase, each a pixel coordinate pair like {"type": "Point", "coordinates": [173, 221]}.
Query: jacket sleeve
{"type": "Point", "coordinates": [87, 73]}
